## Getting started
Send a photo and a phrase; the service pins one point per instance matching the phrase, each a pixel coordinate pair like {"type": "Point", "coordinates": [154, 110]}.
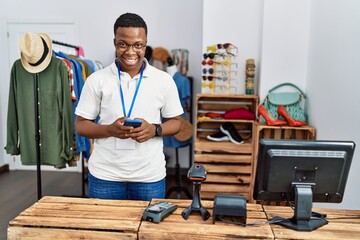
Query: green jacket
{"type": "Point", "coordinates": [56, 125]}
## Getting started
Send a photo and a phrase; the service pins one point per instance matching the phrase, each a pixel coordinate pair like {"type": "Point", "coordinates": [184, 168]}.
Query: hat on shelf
{"type": "Point", "coordinates": [160, 54]}
{"type": "Point", "coordinates": [35, 51]}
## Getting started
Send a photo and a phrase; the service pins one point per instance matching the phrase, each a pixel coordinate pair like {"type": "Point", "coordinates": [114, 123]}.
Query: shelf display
{"type": "Point", "coordinates": [228, 158]}
{"type": "Point", "coordinates": [219, 69]}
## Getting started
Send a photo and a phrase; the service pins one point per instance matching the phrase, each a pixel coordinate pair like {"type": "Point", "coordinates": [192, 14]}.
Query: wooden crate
{"type": "Point", "coordinates": [219, 103]}
{"type": "Point", "coordinates": [78, 218]}
{"type": "Point", "coordinates": [226, 173]}
{"type": "Point", "coordinates": [229, 166]}
{"type": "Point", "coordinates": [285, 132]}
{"type": "Point", "coordinates": [264, 131]}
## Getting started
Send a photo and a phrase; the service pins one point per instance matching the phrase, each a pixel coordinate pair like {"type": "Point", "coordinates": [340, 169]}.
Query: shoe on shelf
{"type": "Point", "coordinates": [292, 122]}
{"type": "Point", "coordinates": [218, 137]}
{"type": "Point", "coordinates": [262, 111]}
{"type": "Point", "coordinates": [229, 129]}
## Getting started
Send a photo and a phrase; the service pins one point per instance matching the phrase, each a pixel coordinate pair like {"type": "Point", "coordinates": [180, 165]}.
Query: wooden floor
{"type": "Point", "coordinates": [18, 190]}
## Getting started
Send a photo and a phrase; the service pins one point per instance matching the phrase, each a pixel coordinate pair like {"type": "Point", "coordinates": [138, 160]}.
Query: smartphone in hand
{"type": "Point", "coordinates": [133, 122]}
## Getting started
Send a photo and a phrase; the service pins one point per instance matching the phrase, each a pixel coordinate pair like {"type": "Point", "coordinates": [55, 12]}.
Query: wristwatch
{"type": "Point", "coordinates": [158, 130]}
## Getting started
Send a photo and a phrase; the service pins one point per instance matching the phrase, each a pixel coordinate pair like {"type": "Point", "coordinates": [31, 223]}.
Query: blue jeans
{"type": "Point", "coordinates": [104, 189]}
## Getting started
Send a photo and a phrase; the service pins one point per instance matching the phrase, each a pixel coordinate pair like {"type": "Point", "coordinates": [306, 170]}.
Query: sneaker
{"type": "Point", "coordinates": [229, 129]}
{"type": "Point", "coordinates": [218, 137]}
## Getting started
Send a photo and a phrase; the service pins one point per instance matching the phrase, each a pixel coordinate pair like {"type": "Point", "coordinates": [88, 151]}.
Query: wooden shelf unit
{"type": "Point", "coordinates": [229, 166]}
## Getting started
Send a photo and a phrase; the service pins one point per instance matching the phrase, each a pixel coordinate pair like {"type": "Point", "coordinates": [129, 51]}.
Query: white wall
{"type": "Point", "coordinates": [284, 44]}
{"type": "Point", "coordinates": [333, 81]}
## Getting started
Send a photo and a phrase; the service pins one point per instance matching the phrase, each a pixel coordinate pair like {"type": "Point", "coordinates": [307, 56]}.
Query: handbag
{"type": "Point", "coordinates": [293, 102]}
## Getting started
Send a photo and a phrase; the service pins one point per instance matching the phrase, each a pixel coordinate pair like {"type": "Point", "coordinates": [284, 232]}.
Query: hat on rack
{"type": "Point", "coordinates": [36, 51]}
{"type": "Point", "coordinates": [160, 54]}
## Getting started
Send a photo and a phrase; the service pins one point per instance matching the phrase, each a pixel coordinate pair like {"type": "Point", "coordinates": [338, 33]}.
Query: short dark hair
{"type": "Point", "coordinates": [130, 20]}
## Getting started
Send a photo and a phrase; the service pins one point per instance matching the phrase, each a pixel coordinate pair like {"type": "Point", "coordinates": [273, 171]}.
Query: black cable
{"type": "Point", "coordinates": [271, 221]}
{"type": "Point", "coordinates": [353, 217]}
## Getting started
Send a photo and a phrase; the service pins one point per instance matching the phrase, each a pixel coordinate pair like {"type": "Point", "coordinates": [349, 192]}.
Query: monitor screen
{"type": "Point", "coordinates": [302, 172]}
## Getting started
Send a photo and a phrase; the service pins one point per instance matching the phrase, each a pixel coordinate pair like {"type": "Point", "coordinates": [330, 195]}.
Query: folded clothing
{"type": "Point", "coordinates": [240, 113]}
{"type": "Point", "coordinates": [214, 115]}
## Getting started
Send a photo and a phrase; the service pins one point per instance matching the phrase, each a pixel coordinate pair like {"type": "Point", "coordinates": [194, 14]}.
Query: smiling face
{"type": "Point", "coordinates": [130, 44]}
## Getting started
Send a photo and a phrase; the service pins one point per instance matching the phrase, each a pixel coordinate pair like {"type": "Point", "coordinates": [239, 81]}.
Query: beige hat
{"type": "Point", "coordinates": [186, 131]}
{"type": "Point", "coordinates": [36, 51]}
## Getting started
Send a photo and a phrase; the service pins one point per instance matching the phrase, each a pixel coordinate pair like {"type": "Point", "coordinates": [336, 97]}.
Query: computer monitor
{"type": "Point", "coordinates": [302, 172]}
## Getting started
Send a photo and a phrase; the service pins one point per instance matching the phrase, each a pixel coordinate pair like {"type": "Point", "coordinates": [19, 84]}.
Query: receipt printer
{"type": "Point", "coordinates": [229, 206]}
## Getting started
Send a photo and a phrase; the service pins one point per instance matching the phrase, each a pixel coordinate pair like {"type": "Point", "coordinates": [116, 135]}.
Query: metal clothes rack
{"type": "Point", "coordinates": [82, 158]}
{"type": "Point", "coordinates": [37, 134]}
{"type": "Point", "coordinates": [65, 44]}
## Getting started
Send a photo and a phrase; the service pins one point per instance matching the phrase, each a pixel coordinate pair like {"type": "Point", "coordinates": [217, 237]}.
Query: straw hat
{"type": "Point", "coordinates": [186, 131]}
{"type": "Point", "coordinates": [36, 51]}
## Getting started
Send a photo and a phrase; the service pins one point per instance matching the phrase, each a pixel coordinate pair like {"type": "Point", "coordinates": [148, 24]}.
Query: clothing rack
{"type": "Point", "coordinates": [65, 44]}
{"type": "Point", "coordinates": [37, 130]}
{"type": "Point", "coordinates": [37, 135]}
{"type": "Point", "coordinates": [82, 158]}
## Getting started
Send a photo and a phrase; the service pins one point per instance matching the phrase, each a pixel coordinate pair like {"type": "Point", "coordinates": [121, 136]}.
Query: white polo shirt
{"type": "Point", "coordinates": [157, 97]}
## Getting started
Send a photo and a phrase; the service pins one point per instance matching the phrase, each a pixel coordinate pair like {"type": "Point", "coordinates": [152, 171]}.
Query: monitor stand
{"type": "Point", "coordinates": [302, 219]}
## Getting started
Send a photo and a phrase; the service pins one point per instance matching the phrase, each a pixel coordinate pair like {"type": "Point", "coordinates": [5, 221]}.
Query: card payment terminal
{"type": "Point", "coordinates": [158, 211]}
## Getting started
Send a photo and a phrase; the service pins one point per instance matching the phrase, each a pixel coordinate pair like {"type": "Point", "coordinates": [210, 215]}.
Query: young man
{"type": "Point", "coordinates": [128, 162]}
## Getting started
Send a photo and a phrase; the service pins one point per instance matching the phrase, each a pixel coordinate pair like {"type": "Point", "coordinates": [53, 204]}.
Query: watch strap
{"type": "Point", "coordinates": [158, 130]}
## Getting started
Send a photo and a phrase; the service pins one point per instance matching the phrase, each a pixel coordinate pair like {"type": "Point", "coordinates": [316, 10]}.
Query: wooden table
{"type": "Point", "coordinates": [78, 218]}
{"type": "Point", "coordinates": [175, 227]}
{"type": "Point", "coordinates": [81, 218]}
{"type": "Point", "coordinates": [343, 224]}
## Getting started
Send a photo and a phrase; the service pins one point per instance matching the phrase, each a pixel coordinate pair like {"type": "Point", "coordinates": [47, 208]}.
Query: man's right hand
{"type": "Point", "coordinates": [118, 130]}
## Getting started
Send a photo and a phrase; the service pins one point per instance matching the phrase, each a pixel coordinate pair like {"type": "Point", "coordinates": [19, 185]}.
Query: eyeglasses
{"type": "Point", "coordinates": [210, 70]}
{"type": "Point", "coordinates": [136, 47]}
{"type": "Point", "coordinates": [212, 55]}
{"type": "Point", "coordinates": [226, 63]}
{"type": "Point", "coordinates": [211, 62]}
{"type": "Point", "coordinates": [208, 62]}
{"type": "Point", "coordinates": [210, 85]}
{"type": "Point", "coordinates": [209, 55]}
{"type": "Point", "coordinates": [210, 78]}
{"type": "Point", "coordinates": [225, 46]}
